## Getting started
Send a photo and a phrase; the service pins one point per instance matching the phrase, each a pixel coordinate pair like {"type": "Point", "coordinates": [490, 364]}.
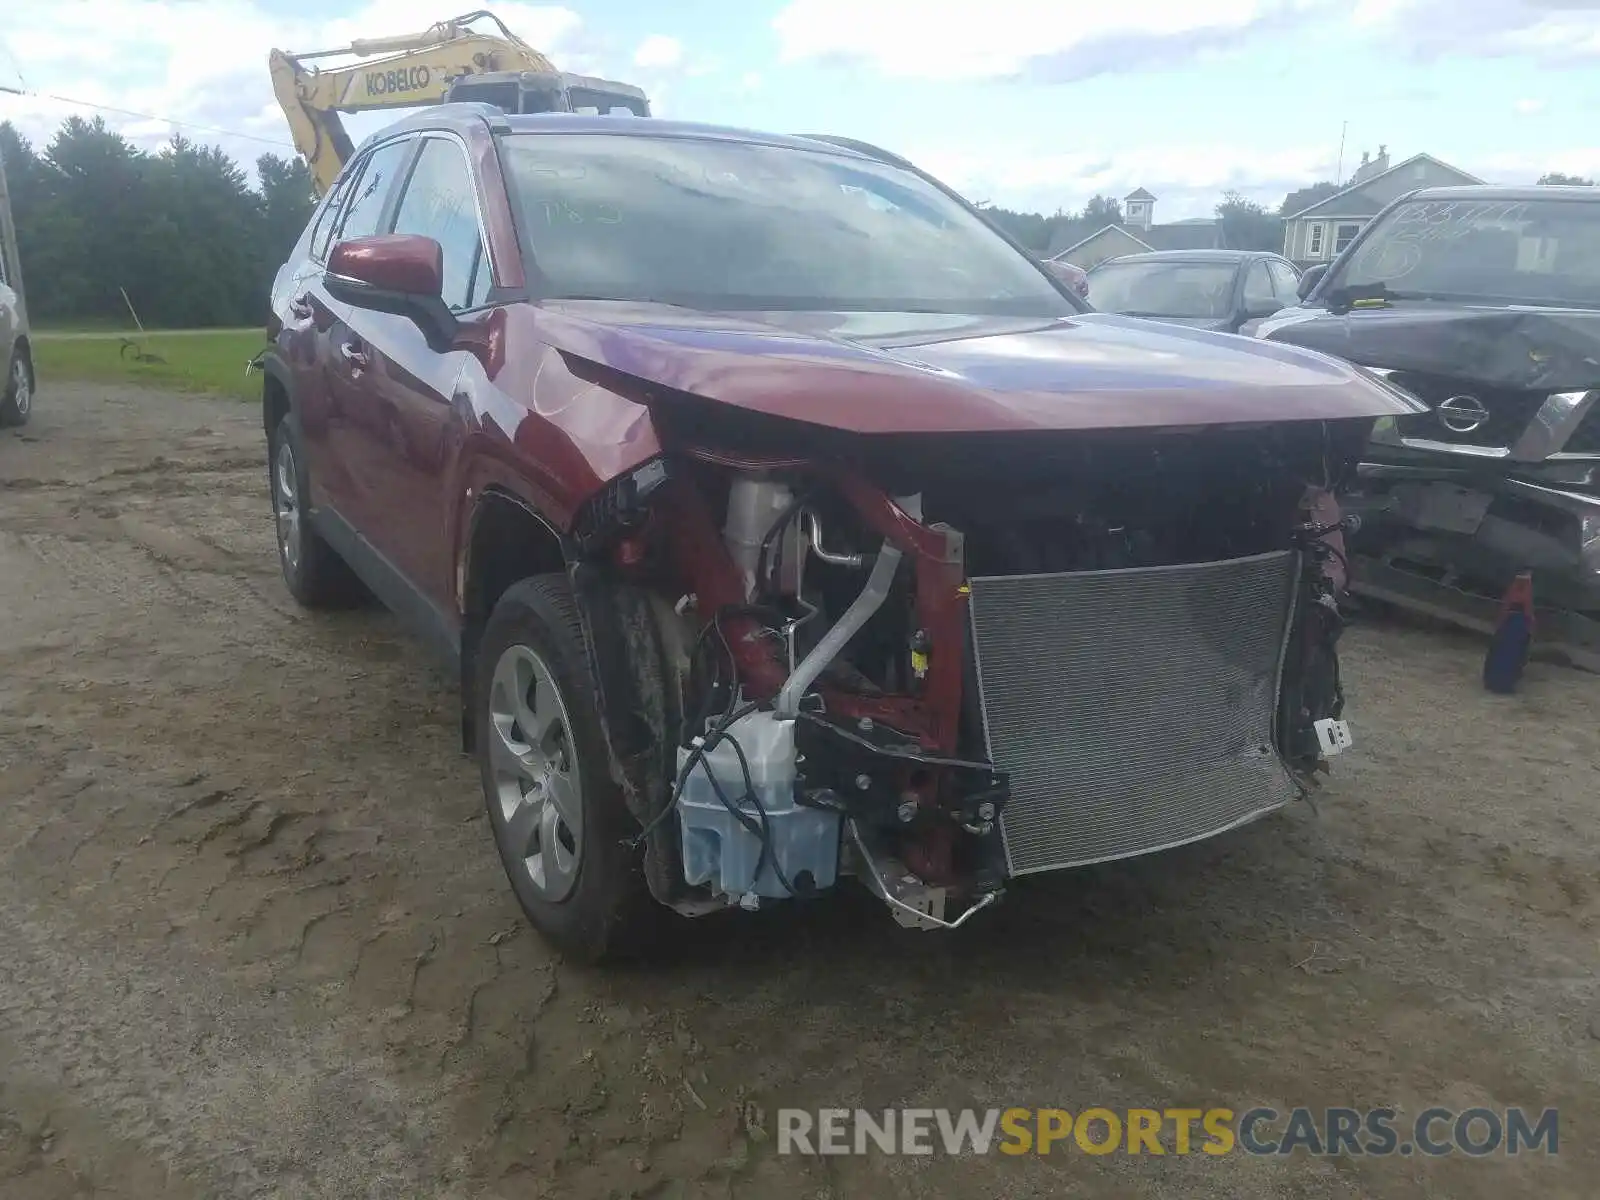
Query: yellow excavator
{"type": "Point", "coordinates": [447, 62]}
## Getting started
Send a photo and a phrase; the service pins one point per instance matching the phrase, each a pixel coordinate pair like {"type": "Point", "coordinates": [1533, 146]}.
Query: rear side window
{"type": "Point", "coordinates": [1258, 286]}
{"type": "Point", "coordinates": [1284, 281]}
{"type": "Point", "coordinates": [371, 189]}
{"type": "Point", "coordinates": [322, 223]}
{"type": "Point", "coordinates": [439, 202]}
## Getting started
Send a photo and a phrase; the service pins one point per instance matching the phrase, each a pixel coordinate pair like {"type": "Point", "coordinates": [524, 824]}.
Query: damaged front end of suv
{"type": "Point", "coordinates": [890, 561]}
{"type": "Point", "coordinates": [937, 661]}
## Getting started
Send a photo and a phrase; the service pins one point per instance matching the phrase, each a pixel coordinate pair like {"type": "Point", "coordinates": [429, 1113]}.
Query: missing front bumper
{"type": "Point", "coordinates": [1134, 710]}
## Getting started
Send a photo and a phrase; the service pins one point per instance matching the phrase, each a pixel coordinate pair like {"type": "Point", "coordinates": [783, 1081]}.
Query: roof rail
{"type": "Point", "coordinates": [860, 147]}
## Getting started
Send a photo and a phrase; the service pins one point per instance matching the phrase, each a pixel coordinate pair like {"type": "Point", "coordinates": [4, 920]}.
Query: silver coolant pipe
{"type": "Point", "coordinates": [860, 611]}
{"type": "Point", "coordinates": [838, 559]}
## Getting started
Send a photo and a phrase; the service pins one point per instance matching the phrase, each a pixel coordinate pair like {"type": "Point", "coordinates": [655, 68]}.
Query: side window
{"type": "Point", "coordinates": [371, 188]}
{"type": "Point", "coordinates": [439, 202]}
{"type": "Point", "coordinates": [1258, 286]}
{"type": "Point", "coordinates": [322, 223]}
{"type": "Point", "coordinates": [482, 281]}
{"type": "Point", "coordinates": [1284, 282]}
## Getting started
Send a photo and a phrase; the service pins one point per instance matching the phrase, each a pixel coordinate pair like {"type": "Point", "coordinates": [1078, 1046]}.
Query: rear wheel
{"type": "Point", "coordinates": [558, 818]}
{"type": "Point", "coordinates": [16, 400]}
{"type": "Point", "coordinates": [315, 575]}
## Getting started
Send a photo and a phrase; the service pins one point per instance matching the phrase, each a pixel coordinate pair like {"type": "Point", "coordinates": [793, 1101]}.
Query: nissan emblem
{"type": "Point", "coordinates": [1462, 414]}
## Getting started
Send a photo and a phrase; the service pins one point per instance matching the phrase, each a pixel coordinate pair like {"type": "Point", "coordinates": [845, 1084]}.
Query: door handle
{"type": "Point", "coordinates": [356, 357]}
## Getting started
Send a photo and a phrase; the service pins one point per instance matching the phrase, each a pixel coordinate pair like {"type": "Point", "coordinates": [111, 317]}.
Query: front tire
{"type": "Point", "coordinates": [558, 818]}
{"type": "Point", "coordinates": [313, 572]}
{"type": "Point", "coordinates": [16, 400]}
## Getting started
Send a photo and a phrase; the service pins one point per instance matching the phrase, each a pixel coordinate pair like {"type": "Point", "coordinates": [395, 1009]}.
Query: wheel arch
{"type": "Point", "coordinates": [277, 392]}
{"type": "Point", "coordinates": [507, 539]}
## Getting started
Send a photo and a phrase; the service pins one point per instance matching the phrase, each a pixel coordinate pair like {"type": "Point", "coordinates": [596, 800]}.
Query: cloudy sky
{"type": "Point", "coordinates": [1034, 104]}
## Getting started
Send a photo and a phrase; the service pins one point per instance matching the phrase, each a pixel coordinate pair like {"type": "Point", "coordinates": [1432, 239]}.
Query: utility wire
{"type": "Point", "coordinates": [15, 61]}
{"type": "Point", "coordinates": [143, 116]}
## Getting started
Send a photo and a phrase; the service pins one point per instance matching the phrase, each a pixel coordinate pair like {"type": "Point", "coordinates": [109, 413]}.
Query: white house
{"type": "Point", "coordinates": [1139, 234]}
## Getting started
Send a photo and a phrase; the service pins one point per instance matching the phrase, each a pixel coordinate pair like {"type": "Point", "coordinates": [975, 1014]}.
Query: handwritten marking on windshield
{"type": "Point", "coordinates": [560, 211]}
{"type": "Point", "coordinates": [1447, 220]}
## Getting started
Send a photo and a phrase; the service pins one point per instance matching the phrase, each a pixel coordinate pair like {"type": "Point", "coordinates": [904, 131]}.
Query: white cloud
{"type": "Point", "coordinates": [658, 50]}
{"type": "Point", "coordinates": [957, 39]}
{"type": "Point", "coordinates": [204, 62]}
{"type": "Point", "coordinates": [751, 81]}
{"type": "Point", "coordinates": [1528, 108]}
{"type": "Point", "coordinates": [1525, 167]}
{"type": "Point", "coordinates": [1187, 179]}
{"type": "Point", "coordinates": [1550, 30]}
{"type": "Point", "coordinates": [1056, 40]}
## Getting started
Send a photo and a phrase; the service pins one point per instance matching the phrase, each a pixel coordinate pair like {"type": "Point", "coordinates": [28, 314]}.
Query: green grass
{"type": "Point", "coordinates": [198, 361]}
{"type": "Point", "coordinates": [81, 325]}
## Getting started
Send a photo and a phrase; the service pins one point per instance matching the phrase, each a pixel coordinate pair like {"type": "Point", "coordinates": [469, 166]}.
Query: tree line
{"type": "Point", "coordinates": [1246, 225]}
{"type": "Point", "coordinates": [181, 229]}
{"type": "Point", "coordinates": [193, 243]}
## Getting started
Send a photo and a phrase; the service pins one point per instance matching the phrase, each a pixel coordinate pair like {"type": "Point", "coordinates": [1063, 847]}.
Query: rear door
{"type": "Point", "coordinates": [305, 316]}
{"type": "Point", "coordinates": [408, 412]}
{"type": "Point", "coordinates": [8, 330]}
{"type": "Point", "coordinates": [10, 313]}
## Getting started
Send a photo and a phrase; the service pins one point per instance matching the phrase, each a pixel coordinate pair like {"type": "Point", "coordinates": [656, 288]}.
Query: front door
{"type": "Point", "coordinates": [340, 448]}
{"type": "Point", "coordinates": [411, 426]}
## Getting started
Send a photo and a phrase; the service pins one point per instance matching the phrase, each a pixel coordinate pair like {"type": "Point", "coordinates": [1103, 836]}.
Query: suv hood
{"type": "Point", "coordinates": [1525, 348]}
{"type": "Point", "coordinates": [931, 373]}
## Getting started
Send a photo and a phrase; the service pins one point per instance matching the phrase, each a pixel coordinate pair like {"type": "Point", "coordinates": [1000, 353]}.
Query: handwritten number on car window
{"type": "Point", "coordinates": [561, 212]}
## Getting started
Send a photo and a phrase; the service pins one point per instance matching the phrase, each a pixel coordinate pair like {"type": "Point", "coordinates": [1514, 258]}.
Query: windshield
{"type": "Point", "coordinates": [1525, 251]}
{"type": "Point", "coordinates": [730, 225]}
{"type": "Point", "coordinates": [1163, 289]}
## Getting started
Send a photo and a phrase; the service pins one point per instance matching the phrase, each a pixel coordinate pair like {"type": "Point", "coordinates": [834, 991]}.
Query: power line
{"type": "Point", "coordinates": [6, 46]}
{"type": "Point", "coordinates": [143, 116]}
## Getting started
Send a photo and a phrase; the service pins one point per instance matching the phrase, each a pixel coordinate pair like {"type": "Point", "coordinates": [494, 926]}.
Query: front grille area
{"type": "Point", "coordinates": [1134, 708]}
{"type": "Point", "coordinates": [1510, 411]}
{"type": "Point", "coordinates": [1585, 438]}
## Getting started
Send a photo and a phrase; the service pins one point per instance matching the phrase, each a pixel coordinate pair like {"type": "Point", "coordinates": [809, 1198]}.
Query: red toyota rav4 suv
{"type": "Point", "coordinates": [786, 522]}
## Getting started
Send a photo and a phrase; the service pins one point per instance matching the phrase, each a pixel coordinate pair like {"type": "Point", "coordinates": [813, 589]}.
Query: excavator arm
{"type": "Point", "coordinates": [414, 69]}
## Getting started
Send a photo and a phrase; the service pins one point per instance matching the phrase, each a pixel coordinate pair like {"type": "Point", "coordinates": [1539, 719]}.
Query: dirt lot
{"type": "Point", "coordinates": [254, 939]}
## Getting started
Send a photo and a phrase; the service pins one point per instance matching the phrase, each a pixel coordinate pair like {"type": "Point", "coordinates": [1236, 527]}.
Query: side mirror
{"type": "Point", "coordinates": [400, 273]}
{"type": "Point", "coordinates": [1312, 277]}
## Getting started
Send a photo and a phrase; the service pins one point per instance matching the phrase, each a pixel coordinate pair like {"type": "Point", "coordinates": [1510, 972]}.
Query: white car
{"type": "Point", "coordinates": [16, 390]}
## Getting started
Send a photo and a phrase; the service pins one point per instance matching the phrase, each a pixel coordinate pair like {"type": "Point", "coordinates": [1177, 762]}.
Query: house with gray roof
{"type": "Point", "coordinates": [1320, 232]}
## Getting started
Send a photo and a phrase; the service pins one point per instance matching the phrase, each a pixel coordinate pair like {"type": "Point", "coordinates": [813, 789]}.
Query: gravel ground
{"type": "Point", "coordinates": [254, 939]}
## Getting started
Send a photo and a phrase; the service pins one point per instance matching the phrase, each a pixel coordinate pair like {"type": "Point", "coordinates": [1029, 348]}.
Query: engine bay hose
{"type": "Point", "coordinates": [860, 611]}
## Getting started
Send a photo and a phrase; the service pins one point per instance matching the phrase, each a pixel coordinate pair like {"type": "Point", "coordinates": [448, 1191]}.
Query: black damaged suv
{"type": "Point", "coordinates": [1484, 303]}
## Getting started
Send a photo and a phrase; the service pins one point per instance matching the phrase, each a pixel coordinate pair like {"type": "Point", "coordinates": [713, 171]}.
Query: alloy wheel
{"type": "Point", "coordinates": [286, 504]}
{"type": "Point", "coordinates": [21, 387]}
{"type": "Point", "coordinates": [537, 784]}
